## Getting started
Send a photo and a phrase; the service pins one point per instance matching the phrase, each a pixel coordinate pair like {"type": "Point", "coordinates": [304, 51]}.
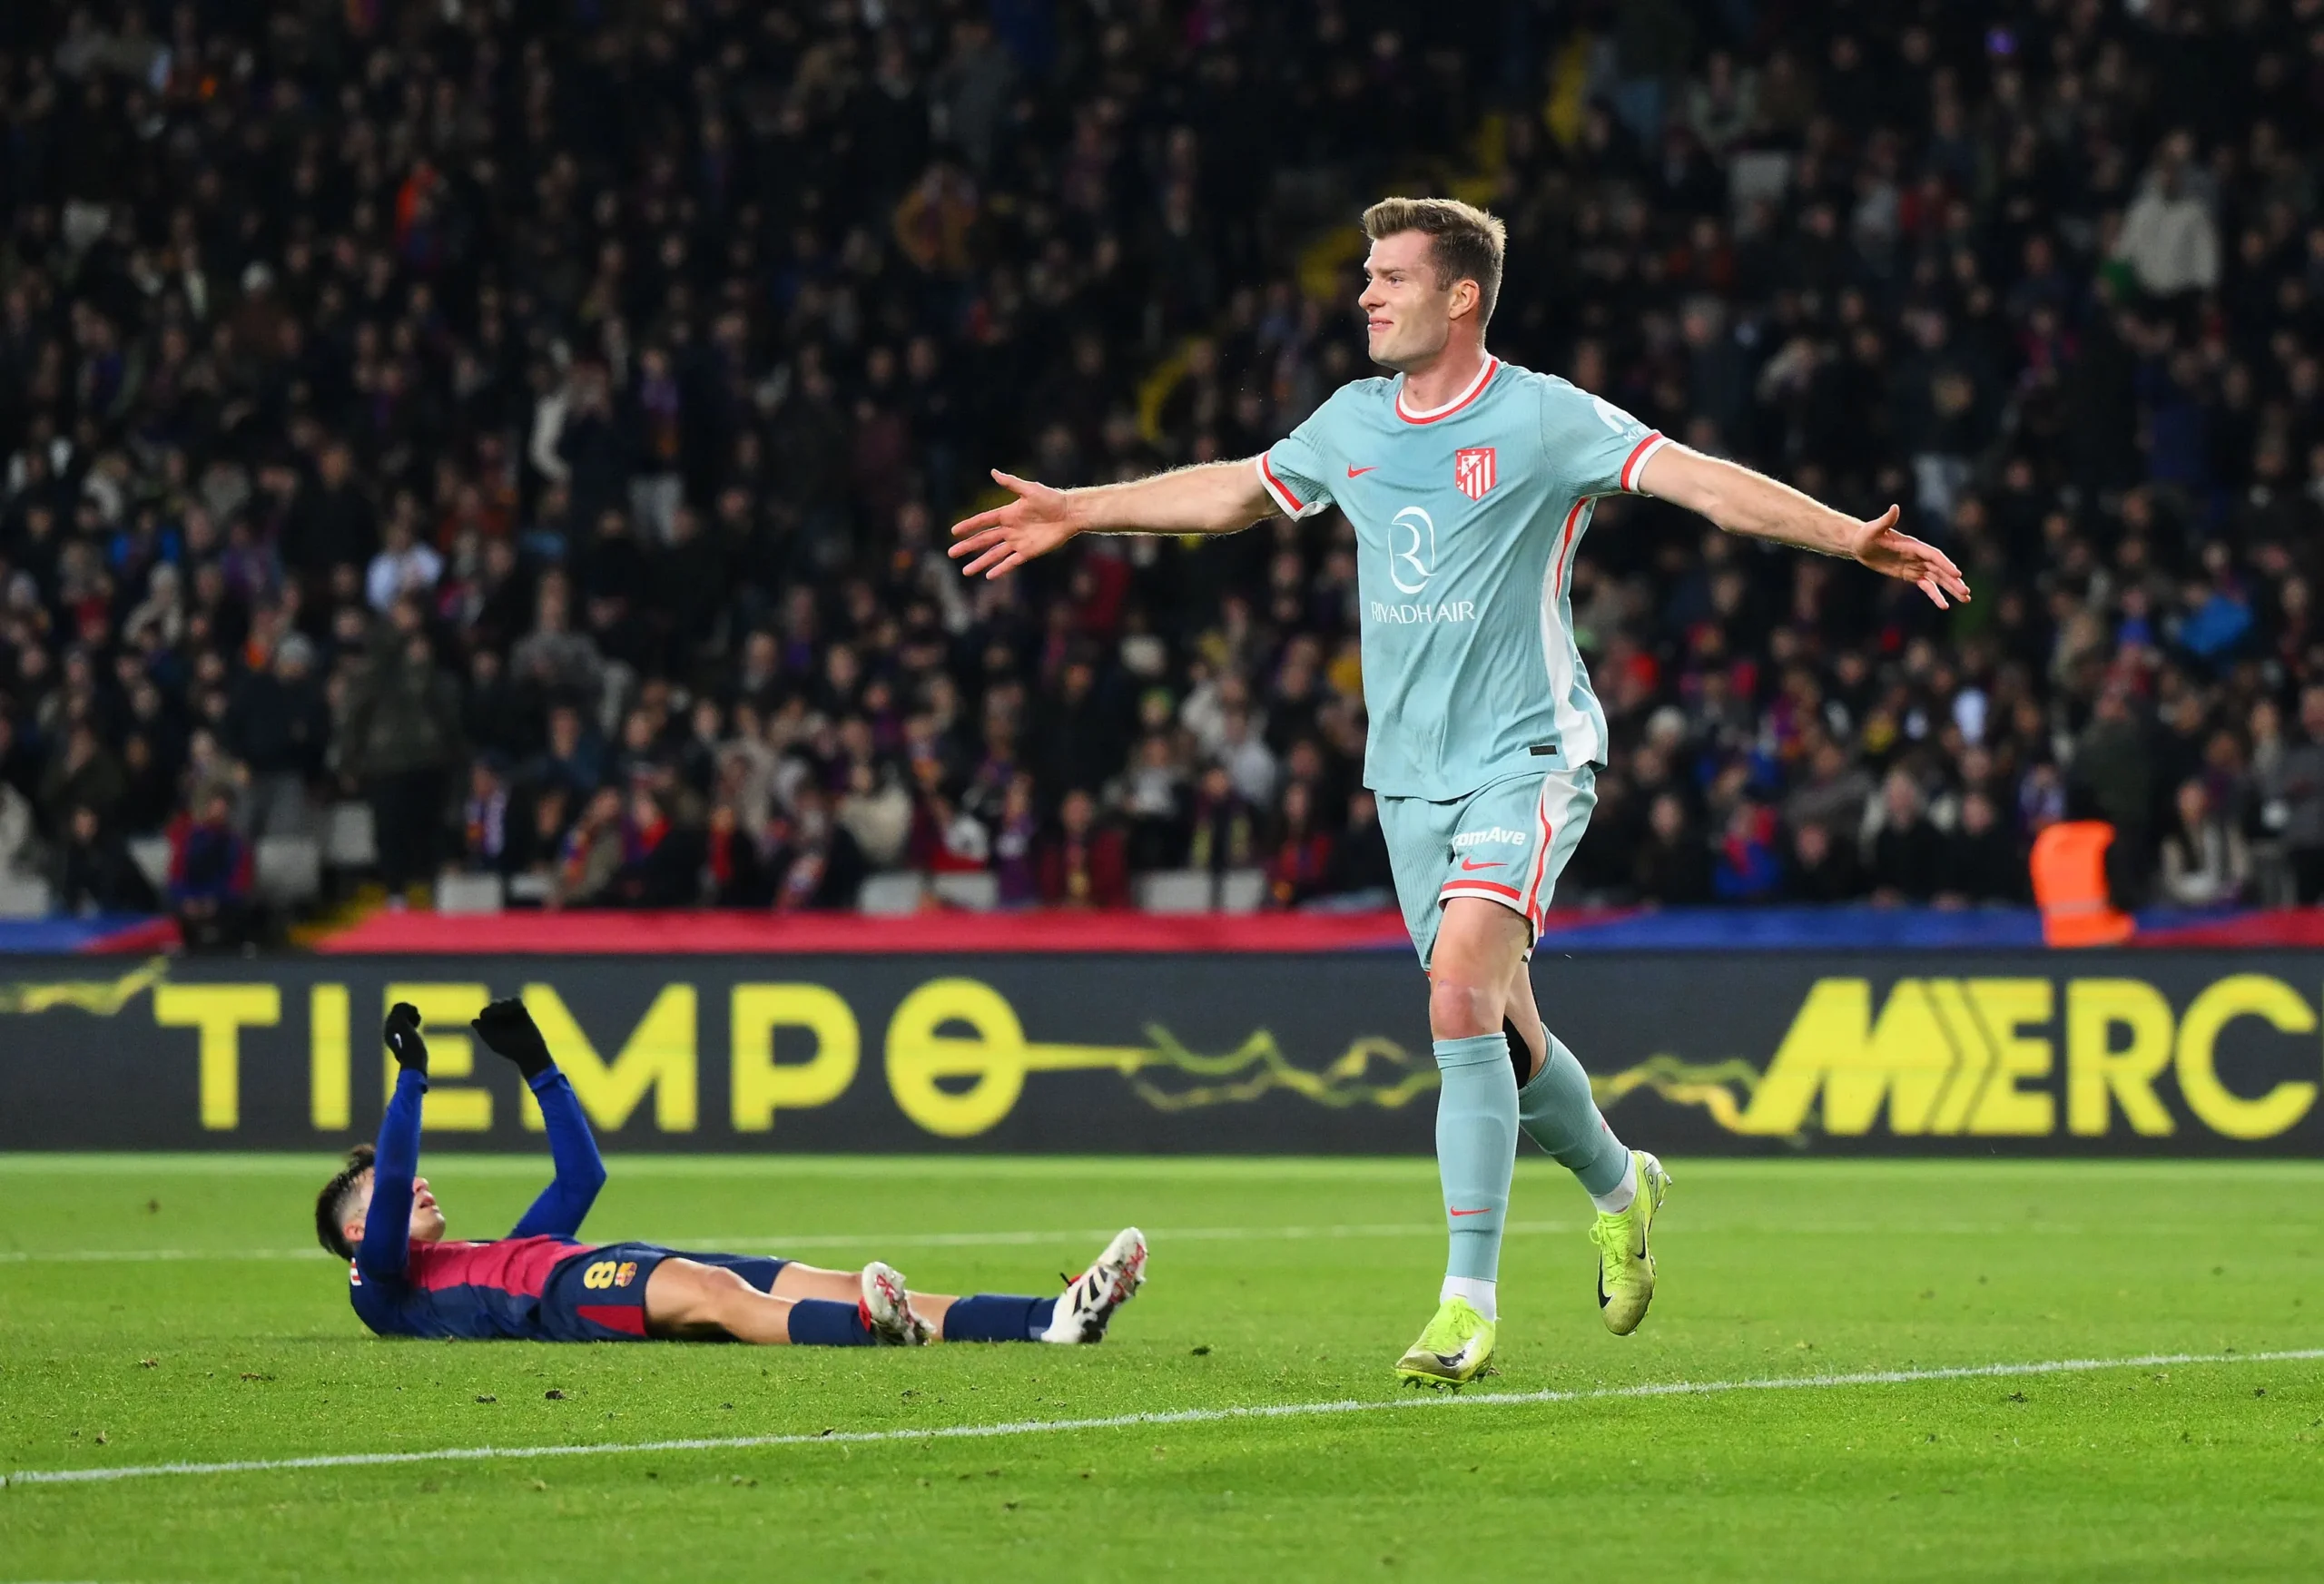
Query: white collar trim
{"type": "Point", "coordinates": [1484, 372]}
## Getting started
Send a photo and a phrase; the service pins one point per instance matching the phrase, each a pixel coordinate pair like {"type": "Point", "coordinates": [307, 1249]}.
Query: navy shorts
{"type": "Point", "coordinates": [600, 1295]}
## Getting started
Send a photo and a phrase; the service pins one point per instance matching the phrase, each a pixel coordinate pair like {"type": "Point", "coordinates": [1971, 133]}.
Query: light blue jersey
{"type": "Point", "coordinates": [1467, 518]}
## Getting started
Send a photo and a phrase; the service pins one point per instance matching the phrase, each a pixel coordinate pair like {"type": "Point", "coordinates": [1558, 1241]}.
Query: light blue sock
{"type": "Point", "coordinates": [1557, 1112]}
{"type": "Point", "coordinates": [1476, 1149]}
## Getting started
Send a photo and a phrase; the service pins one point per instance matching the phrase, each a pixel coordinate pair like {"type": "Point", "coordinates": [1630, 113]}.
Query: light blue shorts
{"type": "Point", "coordinates": [1506, 843]}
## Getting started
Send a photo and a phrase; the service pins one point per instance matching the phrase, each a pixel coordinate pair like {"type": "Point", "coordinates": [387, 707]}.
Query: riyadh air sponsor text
{"type": "Point", "coordinates": [1451, 610]}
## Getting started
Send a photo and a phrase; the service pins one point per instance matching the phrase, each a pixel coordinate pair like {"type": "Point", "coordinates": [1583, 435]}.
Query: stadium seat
{"type": "Point", "coordinates": [24, 896]}
{"type": "Point", "coordinates": [290, 870]}
{"type": "Point", "coordinates": [347, 840]}
{"type": "Point", "coordinates": [1173, 890]}
{"type": "Point", "coordinates": [893, 895]}
{"type": "Point", "coordinates": [152, 856]}
{"type": "Point", "coordinates": [1242, 890]}
{"type": "Point", "coordinates": [468, 893]}
{"type": "Point", "coordinates": [978, 890]}
{"type": "Point", "coordinates": [1195, 890]}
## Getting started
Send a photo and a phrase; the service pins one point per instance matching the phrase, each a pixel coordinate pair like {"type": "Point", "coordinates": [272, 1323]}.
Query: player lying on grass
{"type": "Point", "coordinates": [541, 1284]}
{"type": "Point", "coordinates": [1469, 483]}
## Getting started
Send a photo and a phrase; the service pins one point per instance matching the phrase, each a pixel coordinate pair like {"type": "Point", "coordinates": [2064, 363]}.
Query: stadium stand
{"type": "Point", "coordinates": [517, 440]}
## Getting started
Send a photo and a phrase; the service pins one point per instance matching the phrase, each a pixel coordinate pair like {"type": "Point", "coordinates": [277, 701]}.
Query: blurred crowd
{"type": "Point", "coordinates": [540, 419]}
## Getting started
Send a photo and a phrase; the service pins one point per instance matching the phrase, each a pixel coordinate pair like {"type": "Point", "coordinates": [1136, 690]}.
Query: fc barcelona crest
{"type": "Point", "coordinates": [1473, 472]}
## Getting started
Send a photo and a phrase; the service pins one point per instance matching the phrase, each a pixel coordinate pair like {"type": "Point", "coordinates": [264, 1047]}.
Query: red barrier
{"type": "Point", "coordinates": [2273, 930]}
{"type": "Point", "coordinates": [699, 932]}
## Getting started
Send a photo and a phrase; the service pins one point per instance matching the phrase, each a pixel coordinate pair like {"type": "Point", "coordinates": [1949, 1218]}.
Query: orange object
{"type": "Point", "coordinates": [2070, 885]}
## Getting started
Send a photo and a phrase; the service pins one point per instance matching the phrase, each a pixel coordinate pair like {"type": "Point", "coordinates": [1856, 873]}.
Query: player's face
{"type": "Point", "coordinates": [1407, 311]}
{"type": "Point", "coordinates": [426, 1220]}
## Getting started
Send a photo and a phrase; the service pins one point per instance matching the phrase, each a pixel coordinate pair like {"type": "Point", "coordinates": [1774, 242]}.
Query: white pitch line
{"type": "Point", "coordinates": [1171, 1234]}
{"type": "Point", "coordinates": [1178, 1416]}
{"type": "Point", "coordinates": [780, 1243]}
{"type": "Point", "coordinates": [738, 1244]}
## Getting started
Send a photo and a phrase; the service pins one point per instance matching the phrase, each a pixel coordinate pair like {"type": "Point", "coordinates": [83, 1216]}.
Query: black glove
{"type": "Point", "coordinates": [402, 1035]}
{"type": "Point", "coordinates": [510, 1031]}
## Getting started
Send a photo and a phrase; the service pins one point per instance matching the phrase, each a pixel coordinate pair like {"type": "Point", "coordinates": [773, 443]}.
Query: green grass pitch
{"type": "Point", "coordinates": [1273, 1282]}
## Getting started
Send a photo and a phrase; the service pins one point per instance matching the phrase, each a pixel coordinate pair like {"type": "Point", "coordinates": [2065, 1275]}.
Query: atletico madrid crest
{"type": "Point", "coordinates": [1473, 472]}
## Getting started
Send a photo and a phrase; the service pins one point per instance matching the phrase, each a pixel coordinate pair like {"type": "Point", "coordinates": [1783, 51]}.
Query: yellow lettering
{"type": "Point", "coordinates": [1834, 1045]}
{"type": "Point", "coordinates": [2004, 1008]}
{"type": "Point", "coordinates": [992, 1055]}
{"type": "Point", "coordinates": [2219, 1108]}
{"type": "Point", "coordinates": [762, 1086]}
{"type": "Point", "coordinates": [444, 1013]}
{"type": "Point", "coordinates": [221, 1012]}
{"type": "Point", "coordinates": [2096, 1071]}
{"type": "Point", "coordinates": [1965, 1032]}
{"type": "Point", "coordinates": [659, 1055]}
{"type": "Point", "coordinates": [329, 1067]}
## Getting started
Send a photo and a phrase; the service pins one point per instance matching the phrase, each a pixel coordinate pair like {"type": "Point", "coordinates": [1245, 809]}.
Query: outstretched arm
{"type": "Point", "coordinates": [1217, 498]}
{"type": "Point", "coordinates": [1757, 507]}
{"type": "Point", "coordinates": [387, 1225]}
{"type": "Point", "coordinates": [509, 1030]}
{"type": "Point", "coordinates": [564, 1204]}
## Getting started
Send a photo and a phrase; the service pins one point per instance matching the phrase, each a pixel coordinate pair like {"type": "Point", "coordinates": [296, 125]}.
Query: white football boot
{"type": "Point", "coordinates": [1090, 1299]}
{"type": "Point", "coordinates": [887, 1311]}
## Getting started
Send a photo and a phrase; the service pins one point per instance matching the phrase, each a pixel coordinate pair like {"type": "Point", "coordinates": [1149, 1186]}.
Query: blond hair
{"type": "Point", "coordinates": [1465, 241]}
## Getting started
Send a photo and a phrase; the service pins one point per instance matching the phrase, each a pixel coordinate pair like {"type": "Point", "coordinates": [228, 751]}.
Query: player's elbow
{"type": "Point", "coordinates": [1705, 501]}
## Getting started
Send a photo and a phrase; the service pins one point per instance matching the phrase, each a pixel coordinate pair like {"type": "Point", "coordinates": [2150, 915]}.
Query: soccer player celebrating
{"type": "Point", "coordinates": [1470, 482]}
{"type": "Point", "coordinates": [539, 1284]}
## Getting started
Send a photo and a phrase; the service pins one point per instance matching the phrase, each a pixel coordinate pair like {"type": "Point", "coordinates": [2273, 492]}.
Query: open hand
{"type": "Point", "coordinates": [403, 1040]}
{"type": "Point", "coordinates": [1881, 547]}
{"type": "Point", "coordinates": [1036, 523]}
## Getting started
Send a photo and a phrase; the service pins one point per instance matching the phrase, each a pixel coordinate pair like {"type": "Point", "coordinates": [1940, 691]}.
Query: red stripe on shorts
{"type": "Point", "coordinates": [1453, 887]}
{"type": "Point", "coordinates": [627, 1317]}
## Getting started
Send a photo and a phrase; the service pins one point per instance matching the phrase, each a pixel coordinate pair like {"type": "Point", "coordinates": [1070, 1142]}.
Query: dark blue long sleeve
{"type": "Point", "coordinates": [387, 1225]}
{"type": "Point", "coordinates": [561, 1207]}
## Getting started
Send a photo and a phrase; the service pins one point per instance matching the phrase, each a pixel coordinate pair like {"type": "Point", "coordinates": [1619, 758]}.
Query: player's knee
{"type": "Point", "coordinates": [725, 1291]}
{"type": "Point", "coordinates": [1463, 1004]}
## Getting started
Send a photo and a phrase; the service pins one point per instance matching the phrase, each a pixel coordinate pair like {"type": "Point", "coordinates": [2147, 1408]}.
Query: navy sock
{"type": "Point", "coordinates": [999, 1317]}
{"type": "Point", "coordinates": [827, 1323]}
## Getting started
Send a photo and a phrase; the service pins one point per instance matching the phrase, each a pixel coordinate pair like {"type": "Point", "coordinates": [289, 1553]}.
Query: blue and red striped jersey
{"type": "Point", "coordinates": [470, 1290]}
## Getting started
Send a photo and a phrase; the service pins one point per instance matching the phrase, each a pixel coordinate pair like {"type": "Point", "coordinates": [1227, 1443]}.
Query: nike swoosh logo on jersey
{"type": "Point", "coordinates": [1466, 864]}
{"type": "Point", "coordinates": [1360, 472]}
